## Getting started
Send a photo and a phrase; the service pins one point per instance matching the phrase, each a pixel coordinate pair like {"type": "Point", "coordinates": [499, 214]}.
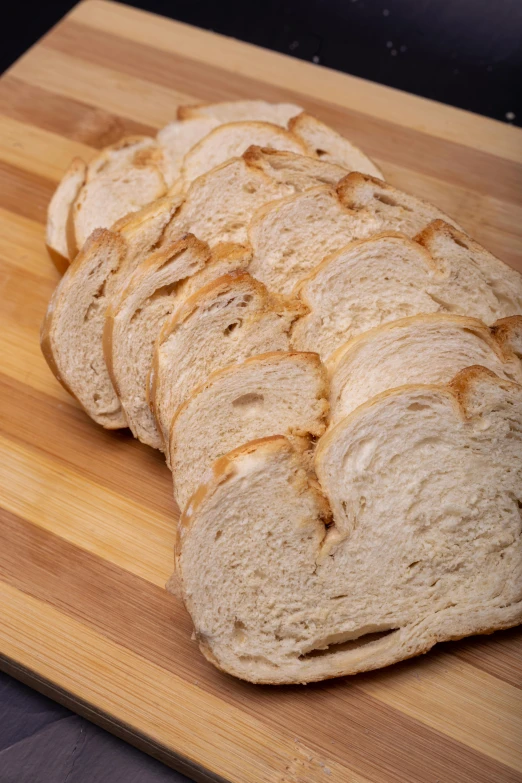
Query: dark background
{"type": "Point", "coordinates": [467, 53]}
{"type": "Point", "coordinates": [464, 52]}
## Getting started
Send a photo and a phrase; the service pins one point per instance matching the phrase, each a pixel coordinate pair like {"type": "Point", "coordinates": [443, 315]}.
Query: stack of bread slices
{"type": "Point", "coordinates": [333, 369]}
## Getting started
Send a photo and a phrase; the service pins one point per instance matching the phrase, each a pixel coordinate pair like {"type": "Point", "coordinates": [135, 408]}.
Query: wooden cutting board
{"type": "Point", "coordinates": [87, 515]}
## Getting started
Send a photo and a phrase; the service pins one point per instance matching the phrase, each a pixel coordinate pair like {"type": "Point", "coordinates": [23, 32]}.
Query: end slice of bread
{"type": "Point", "coordinates": [328, 145]}
{"type": "Point", "coordinates": [227, 321]}
{"type": "Point", "coordinates": [238, 111]}
{"type": "Point", "coordinates": [421, 349]}
{"type": "Point", "coordinates": [285, 597]}
{"type": "Point", "coordinates": [72, 331]}
{"type": "Point", "coordinates": [59, 237]}
{"type": "Point", "coordinates": [231, 140]}
{"type": "Point", "coordinates": [134, 319]}
{"type": "Point", "coordinates": [271, 394]}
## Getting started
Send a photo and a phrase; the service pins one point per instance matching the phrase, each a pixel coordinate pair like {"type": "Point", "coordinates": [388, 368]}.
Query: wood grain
{"type": "Point", "coordinates": [86, 516]}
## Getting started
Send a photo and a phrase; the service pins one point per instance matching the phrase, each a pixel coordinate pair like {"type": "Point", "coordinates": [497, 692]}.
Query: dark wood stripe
{"type": "Point", "coordinates": [25, 193]}
{"type": "Point", "coordinates": [114, 460]}
{"type": "Point", "coordinates": [499, 654]}
{"type": "Point", "coordinates": [446, 160]}
{"type": "Point", "coordinates": [69, 118]}
{"type": "Point", "coordinates": [145, 619]}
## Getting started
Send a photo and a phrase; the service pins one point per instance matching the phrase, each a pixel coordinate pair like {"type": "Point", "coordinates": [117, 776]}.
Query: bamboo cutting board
{"type": "Point", "coordinates": [87, 516]}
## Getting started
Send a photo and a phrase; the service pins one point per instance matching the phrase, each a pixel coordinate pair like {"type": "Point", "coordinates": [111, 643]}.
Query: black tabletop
{"type": "Point", "coordinates": [463, 52]}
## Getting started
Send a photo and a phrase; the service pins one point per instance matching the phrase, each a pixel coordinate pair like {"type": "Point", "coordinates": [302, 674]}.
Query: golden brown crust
{"type": "Point", "coordinates": [353, 180]}
{"type": "Point", "coordinates": [508, 334]}
{"type": "Point", "coordinates": [465, 384]}
{"type": "Point", "coordinates": [188, 112]}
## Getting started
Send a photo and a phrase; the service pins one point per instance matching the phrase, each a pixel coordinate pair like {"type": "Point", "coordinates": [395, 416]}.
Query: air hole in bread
{"type": "Point", "coordinates": [460, 243]}
{"type": "Point", "coordinates": [218, 535]}
{"type": "Point", "coordinates": [338, 597]}
{"type": "Point", "coordinates": [389, 201]}
{"type": "Point", "coordinates": [250, 187]}
{"type": "Point", "coordinates": [246, 299]}
{"type": "Point", "coordinates": [248, 400]}
{"type": "Point", "coordinates": [239, 631]}
{"type": "Point", "coordinates": [415, 562]}
{"type": "Point", "coordinates": [321, 153]}
{"type": "Point", "coordinates": [232, 327]}
{"type": "Point", "coordinates": [418, 406]}
{"type": "Point", "coordinates": [346, 646]}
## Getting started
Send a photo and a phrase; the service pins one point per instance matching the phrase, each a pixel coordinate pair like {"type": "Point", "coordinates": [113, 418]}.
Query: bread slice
{"type": "Point", "coordinates": [72, 334]}
{"type": "Point", "coordinates": [366, 283]}
{"type": "Point", "coordinates": [219, 205]}
{"type": "Point", "coordinates": [126, 153]}
{"type": "Point", "coordinates": [237, 111]}
{"type": "Point", "coordinates": [492, 288]}
{"type": "Point", "coordinates": [59, 235]}
{"type": "Point", "coordinates": [232, 140]}
{"type": "Point", "coordinates": [299, 171]}
{"type": "Point", "coordinates": [108, 197]}
{"type": "Point", "coordinates": [421, 349]}
{"type": "Point", "coordinates": [395, 209]}
{"type": "Point", "coordinates": [275, 393]}
{"type": "Point", "coordinates": [291, 237]}
{"type": "Point", "coordinates": [133, 321]}
{"type": "Point", "coordinates": [177, 138]}
{"type": "Point", "coordinates": [278, 596]}
{"type": "Point", "coordinates": [325, 143]}
{"type": "Point", "coordinates": [227, 321]}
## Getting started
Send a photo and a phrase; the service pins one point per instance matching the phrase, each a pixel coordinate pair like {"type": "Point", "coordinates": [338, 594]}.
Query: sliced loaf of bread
{"type": "Point", "coordinates": [227, 321]}
{"type": "Point", "coordinates": [421, 349]}
{"type": "Point", "coordinates": [292, 236]}
{"type": "Point", "coordinates": [134, 319]}
{"type": "Point", "coordinates": [271, 394]}
{"type": "Point", "coordinates": [278, 594]}
{"type": "Point", "coordinates": [59, 237]}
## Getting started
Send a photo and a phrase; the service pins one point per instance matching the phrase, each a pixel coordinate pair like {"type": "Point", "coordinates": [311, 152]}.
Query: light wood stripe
{"type": "Point", "coordinates": [66, 116]}
{"type": "Point", "coordinates": [106, 88]}
{"type": "Point", "coordinates": [21, 245]}
{"type": "Point", "coordinates": [113, 460]}
{"type": "Point", "coordinates": [455, 698]}
{"type": "Point", "coordinates": [310, 80]}
{"type": "Point", "coordinates": [66, 503]}
{"type": "Point", "coordinates": [136, 614]}
{"type": "Point", "coordinates": [38, 151]}
{"type": "Point", "coordinates": [25, 193]}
